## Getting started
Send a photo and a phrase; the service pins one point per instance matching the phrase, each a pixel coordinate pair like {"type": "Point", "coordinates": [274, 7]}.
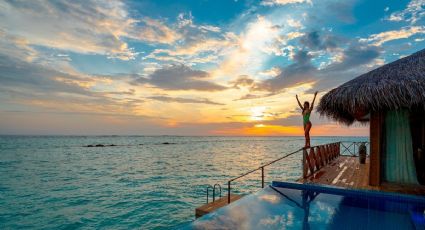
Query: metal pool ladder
{"type": "Point", "coordinates": [213, 190]}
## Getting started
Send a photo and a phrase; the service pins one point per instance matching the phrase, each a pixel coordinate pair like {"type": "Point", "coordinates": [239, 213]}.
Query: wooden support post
{"type": "Point", "coordinates": [322, 151]}
{"type": "Point", "coordinates": [328, 155]}
{"type": "Point", "coordinates": [376, 134]}
{"type": "Point", "coordinates": [334, 150]}
{"type": "Point", "coordinates": [339, 148]}
{"type": "Point", "coordinates": [319, 158]}
{"type": "Point", "coordinates": [310, 161]}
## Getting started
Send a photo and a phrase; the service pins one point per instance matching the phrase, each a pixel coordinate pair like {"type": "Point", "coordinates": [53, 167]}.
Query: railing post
{"type": "Point", "coordinates": [228, 192]}
{"type": "Point", "coordinates": [339, 148]}
{"type": "Point", "coordinates": [207, 194]}
{"type": "Point", "coordinates": [262, 177]}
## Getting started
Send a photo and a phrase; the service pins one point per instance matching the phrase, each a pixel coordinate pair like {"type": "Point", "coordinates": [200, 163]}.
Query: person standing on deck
{"type": "Point", "coordinates": [306, 111]}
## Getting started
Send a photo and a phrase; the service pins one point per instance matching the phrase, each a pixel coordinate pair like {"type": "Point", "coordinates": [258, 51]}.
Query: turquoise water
{"type": "Point", "coordinates": [56, 182]}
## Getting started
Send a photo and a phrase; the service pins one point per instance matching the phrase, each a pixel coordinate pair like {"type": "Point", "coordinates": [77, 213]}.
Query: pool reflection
{"type": "Point", "coordinates": [283, 208]}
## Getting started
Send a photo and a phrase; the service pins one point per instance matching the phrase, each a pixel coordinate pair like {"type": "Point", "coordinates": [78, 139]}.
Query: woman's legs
{"type": "Point", "coordinates": [307, 128]}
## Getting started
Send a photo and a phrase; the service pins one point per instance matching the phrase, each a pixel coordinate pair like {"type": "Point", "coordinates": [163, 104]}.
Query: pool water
{"type": "Point", "coordinates": [298, 206]}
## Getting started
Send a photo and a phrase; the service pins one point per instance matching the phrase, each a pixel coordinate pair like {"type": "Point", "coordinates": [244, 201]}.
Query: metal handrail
{"type": "Point", "coordinates": [213, 190]}
{"type": "Point", "coordinates": [283, 157]}
{"type": "Point", "coordinates": [262, 173]}
{"type": "Point", "coordinates": [352, 143]}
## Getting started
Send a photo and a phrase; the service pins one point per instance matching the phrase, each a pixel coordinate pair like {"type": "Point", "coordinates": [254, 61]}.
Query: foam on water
{"type": "Point", "coordinates": [57, 182]}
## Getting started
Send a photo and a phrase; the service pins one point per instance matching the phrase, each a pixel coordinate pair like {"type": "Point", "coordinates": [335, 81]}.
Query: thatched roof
{"type": "Point", "coordinates": [400, 84]}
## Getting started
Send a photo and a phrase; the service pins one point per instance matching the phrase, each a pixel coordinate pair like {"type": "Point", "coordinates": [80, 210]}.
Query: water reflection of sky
{"type": "Point", "coordinates": [281, 208]}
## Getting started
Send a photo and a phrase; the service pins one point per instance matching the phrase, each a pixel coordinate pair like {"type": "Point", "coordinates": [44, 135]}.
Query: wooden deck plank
{"type": "Point", "coordinates": [347, 172]}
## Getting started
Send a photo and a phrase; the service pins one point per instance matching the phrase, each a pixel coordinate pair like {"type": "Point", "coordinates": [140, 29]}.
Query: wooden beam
{"type": "Point", "coordinates": [376, 137]}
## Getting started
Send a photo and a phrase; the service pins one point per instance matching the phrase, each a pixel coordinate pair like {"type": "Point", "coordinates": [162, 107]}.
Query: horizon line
{"type": "Point", "coordinates": [172, 135]}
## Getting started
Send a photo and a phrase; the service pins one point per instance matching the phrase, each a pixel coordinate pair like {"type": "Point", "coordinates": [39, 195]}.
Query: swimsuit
{"type": "Point", "coordinates": [306, 118]}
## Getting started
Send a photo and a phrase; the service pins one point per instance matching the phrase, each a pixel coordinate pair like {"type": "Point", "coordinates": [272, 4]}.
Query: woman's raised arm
{"type": "Point", "coordinates": [312, 103]}
{"type": "Point", "coordinates": [299, 103]}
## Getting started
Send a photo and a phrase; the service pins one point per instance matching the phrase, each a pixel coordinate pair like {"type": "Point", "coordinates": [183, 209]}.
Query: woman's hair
{"type": "Point", "coordinates": [306, 103]}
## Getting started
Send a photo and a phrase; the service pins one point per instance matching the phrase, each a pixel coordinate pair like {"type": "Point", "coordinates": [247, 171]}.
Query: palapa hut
{"type": "Point", "coordinates": [392, 99]}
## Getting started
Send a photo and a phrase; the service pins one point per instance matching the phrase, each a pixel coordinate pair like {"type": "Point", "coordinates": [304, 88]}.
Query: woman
{"type": "Point", "coordinates": [306, 111]}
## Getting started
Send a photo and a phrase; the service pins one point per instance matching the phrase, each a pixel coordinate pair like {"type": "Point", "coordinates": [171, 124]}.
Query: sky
{"type": "Point", "coordinates": [200, 67]}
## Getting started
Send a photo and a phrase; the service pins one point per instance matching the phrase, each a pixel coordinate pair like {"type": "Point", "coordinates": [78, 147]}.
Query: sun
{"type": "Point", "coordinates": [257, 113]}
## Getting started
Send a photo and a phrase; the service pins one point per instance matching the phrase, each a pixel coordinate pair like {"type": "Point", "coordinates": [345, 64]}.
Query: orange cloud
{"type": "Point", "coordinates": [278, 130]}
{"type": "Point", "coordinates": [261, 130]}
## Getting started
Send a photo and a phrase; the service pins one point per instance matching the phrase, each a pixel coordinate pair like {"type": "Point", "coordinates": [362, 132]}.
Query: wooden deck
{"type": "Point", "coordinates": [212, 206]}
{"type": "Point", "coordinates": [344, 171]}
{"type": "Point", "coordinates": [347, 172]}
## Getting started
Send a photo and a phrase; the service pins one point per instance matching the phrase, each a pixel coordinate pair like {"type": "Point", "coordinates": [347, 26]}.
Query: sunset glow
{"type": "Point", "coordinates": [203, 68]}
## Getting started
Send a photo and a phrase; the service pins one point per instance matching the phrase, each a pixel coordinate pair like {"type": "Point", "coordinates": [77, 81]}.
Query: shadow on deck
{"type": "Point", "coordinates": [344, 171]}
{"type": "Point", "coordinates": [347, 172]}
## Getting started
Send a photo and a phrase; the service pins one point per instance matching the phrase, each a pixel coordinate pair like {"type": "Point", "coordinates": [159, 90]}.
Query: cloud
{"type": "Point", "coordinates": [196, 44]}
{"type": "Point", "coordinates": [283, 2]}
{"type": "Point", "coordinates": [293, 35]}
{"type": "Point", "coordinates": [271, 72]}
{"type": "Point", "coordinates": [279, 47]}
{"type": "Point", "coordinates": [31, 85]}
{"type": "Point", "coordinates": [180, 77]}
{"type": "Point", "coordinates": [203, 45]}
{"type": "Point", "coordinates": [252, 47]}
{"type": "Point", "coordinates": [164, 98]}
{"type": "Point", "coordinates": [88, 27]}
{"type": "Point", "coordinates": [351, 61]}
{"type": "Point", "coordinates": [254, 96]}
{"type": "Point", "coordinates": [354, 55]}
{"type": "Point", "coordinates": [405, 32]}
{"type": "Point", "coordinates": [356, 59]}
{"type": "Point", "coordinates": [154, 31]}
{"type": "Point", "coordinates": [296, 73]}
{"type": "Point", "coordinates": [210, 28]}
{"type": "Point", "coordinates": [315, 41]}
{"type": "Point", "coordinates": [294, 23]}
{"type": "Point", "coordinates": [16, 47]}
{"type": "Point", "coordinates": [16, 73]}
{"type": "Point", "coordinates": [79, 26]}
{"type": "Point", "coordinates": [130, 92]}
{"type": "Point", "coordinates": [414, 11]}
{"type": "Point", "coordinates": [242, 81]}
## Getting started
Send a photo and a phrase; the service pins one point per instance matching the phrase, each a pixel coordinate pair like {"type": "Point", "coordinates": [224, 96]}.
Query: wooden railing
{"type": "Point", "coordinates": [314, 158]}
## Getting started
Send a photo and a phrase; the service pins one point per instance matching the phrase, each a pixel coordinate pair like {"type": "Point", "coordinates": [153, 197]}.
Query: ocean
{"type": "Point", "coordinates": [133, 182]}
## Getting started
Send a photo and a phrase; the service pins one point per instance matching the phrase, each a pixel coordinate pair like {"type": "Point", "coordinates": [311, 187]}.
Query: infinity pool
{"type": "Point", "coordinates": [299, 206]}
